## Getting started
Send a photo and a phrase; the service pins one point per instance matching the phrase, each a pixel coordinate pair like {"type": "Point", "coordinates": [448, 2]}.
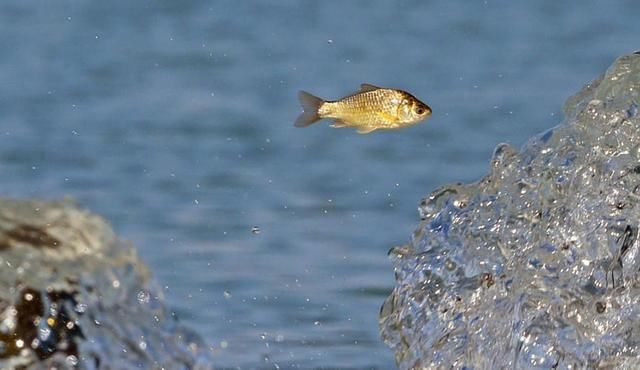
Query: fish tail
{"type": "Point", "coordinates": [310, 104]}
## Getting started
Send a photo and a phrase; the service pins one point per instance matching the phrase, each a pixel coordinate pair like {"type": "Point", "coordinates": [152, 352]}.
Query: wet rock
{"type": "Point", "coordinates": [537, 265]}
{"type": "Point", "coordinates": [70, 297]}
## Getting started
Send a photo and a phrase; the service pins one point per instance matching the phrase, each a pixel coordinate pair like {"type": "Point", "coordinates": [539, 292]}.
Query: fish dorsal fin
{"type": "Point", "coordinates": [368, 87]}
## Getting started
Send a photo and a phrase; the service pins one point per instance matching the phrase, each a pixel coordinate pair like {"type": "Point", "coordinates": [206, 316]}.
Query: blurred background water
{"type": "Point", "coordinates": [174, 121]}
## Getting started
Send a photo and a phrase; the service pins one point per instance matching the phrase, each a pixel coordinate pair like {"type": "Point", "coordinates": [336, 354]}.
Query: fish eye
{"type": "Point", "coordinates": [420, 110]}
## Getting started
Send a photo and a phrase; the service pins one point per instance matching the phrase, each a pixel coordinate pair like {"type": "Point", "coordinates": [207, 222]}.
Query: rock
{"type": "Point", "coordinates": [73, 295]}
{"type": "Point", "coordinates": [537, 264]}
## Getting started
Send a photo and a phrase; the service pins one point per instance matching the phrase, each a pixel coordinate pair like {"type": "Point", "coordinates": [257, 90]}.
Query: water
{"type": "Point", "coordinates": [535, 265]}
{"type": "Point", "coordinates": [72, 293]}
{"type": "Point", "coordinates": [174, 121]}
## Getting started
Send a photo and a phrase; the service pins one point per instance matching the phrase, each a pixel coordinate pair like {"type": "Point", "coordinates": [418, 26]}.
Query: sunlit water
{"type": "Point", "coordinates": [174, 121]}
{"type": "Point", "coordinates": [537, 264]}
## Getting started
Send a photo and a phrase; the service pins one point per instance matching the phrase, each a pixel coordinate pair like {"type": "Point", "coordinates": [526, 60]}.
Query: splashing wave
{"type": "Point", "coordinates": [537, 265]}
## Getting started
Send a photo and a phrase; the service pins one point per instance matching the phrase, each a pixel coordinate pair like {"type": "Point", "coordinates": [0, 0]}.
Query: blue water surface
{"type": "Point", "coordinates": [173, 119]}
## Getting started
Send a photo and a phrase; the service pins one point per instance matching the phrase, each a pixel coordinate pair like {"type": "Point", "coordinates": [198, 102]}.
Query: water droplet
{"type": "Point", "coordinates": [255, 230]}
{"type": "Point", "coordinates": [227, 294]}
{"type": "Point", "coordinates": [72, 360]}
{"type": "Point", "coordinates": [143, 297]}
{"type": "Point", "coordinates": [44, 333]}
{"type": "Point", "coordinates": [633, 110]}
{"type": "Point", "coordinates": [81, 308]}
{"type": "Point", "coordinates": [399, 251]}
{"type": "Point", "coordinates": [449, 265]}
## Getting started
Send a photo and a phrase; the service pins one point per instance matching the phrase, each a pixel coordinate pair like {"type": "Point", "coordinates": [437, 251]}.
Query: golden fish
{"type": "Point", "coordinates": [369, 109]}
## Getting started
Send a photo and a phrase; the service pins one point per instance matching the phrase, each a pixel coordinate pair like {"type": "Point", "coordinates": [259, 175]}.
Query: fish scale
{"type": "Point", "coordinates": [370, 109]}
{"type": "Point", "coordinates": [366, 107]}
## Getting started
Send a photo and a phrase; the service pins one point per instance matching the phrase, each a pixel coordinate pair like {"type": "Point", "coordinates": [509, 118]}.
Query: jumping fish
{"type": "Point", "coordinates": [369, 109]}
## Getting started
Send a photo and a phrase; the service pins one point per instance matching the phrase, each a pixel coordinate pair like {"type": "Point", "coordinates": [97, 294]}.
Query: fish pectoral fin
{"type": "Point", "coordinates": [338, 124]}
{"type": "Point", "coordinates": [366, 129]}
{"type": "Point", "coordinates": [368, 87]}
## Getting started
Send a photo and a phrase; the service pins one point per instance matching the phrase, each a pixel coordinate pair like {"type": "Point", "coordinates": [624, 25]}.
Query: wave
{"type": "Point", "coordinates": [537, 264]}
{"type": "Point", "coordinates": [73, 295]}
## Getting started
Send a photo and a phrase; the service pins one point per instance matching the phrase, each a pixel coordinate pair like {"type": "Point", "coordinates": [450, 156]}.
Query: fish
{"type": "Point", "coordinates": [372, 108]}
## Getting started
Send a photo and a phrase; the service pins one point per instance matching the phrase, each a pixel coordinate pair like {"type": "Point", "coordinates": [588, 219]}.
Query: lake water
{"type": "Point", "coordinates": [174, 121]}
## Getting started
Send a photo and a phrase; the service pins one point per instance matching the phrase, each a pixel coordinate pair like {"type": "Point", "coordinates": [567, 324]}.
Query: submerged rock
{"type": "Point", "coordinates": [72, 295]}
{"type": "Point", "coordinates": [537, 265]}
